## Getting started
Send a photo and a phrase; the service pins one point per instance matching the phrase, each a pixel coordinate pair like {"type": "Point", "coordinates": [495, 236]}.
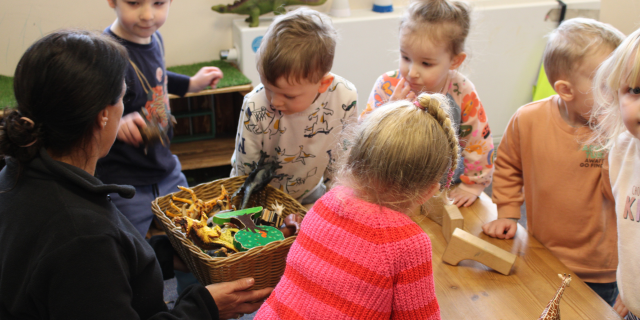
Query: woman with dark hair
{"type": "Point", "coordinates": [66, 252]}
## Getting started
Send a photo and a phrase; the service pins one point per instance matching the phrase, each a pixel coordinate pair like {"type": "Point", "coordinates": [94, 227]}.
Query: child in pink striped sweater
{"type": "Point", "coordinates": [358, 254]}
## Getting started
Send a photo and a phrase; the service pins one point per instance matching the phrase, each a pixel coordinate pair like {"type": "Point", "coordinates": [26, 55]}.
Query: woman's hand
{"type": "Point", "coordinates": [234, 299]}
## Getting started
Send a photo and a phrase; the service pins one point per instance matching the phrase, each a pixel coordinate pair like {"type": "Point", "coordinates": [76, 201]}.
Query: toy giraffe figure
{"type": "Point", "coordinates": [552, 311]}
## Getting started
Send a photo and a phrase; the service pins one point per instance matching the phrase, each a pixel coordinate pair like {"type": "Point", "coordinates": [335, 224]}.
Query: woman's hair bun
{"type": "Point", "coordinates": [19, 136]}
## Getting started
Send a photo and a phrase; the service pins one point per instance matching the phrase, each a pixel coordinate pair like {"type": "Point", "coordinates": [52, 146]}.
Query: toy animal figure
{"type": "Point", "coordinates": [255, 8]}
{"type": "Point", "coordinates": [552, 311]}
{"type": "Point", "coordinates": [197, 207]}
{"type": "Point", "coordinates": [261, 174]}
{"type": "Point", "coordinates": [153, 132]}
{"type": "Point", "coordinates": [291, 225]}
{"type": "Point", "coordinates": [203, 236]}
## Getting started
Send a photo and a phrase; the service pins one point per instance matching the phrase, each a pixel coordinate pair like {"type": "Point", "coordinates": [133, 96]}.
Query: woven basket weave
{"type": "Point", "coordinates": [265, 264]}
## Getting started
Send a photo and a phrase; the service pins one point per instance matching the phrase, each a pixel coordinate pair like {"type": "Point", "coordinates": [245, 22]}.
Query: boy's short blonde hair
{"type": "Point", "coordinates": [299, 45]}
{"type": "Point", "coordinates": [572, 41]}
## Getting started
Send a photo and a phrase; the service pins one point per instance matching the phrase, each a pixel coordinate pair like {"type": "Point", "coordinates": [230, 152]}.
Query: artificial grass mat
{"type": "Point", "coordinates": [232, 77]}
{"type": "Point", "coordinates": [6, 93]}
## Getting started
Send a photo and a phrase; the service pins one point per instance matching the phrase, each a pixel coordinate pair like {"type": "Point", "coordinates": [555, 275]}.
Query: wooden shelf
{"type": "Point", "coordinates": [205, 153]}
{"type": "Point", "coordinates": [243, 89]}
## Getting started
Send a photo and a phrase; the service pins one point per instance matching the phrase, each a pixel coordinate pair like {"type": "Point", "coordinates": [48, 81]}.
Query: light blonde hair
{"type": "Point", "coordinates": [442, 20]}
{"type": "Point", "coordinates": [568, 44]}
{"type": "Point", "coordinates": [399, 151]}
{"type": "Point", "coordinates": [621, 68]}
{"type": "Point", "coordinates": [299, 45]}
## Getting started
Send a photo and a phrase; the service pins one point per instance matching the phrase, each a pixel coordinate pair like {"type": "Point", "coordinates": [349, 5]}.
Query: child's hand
{"type": "Point", "coordinates": [402, 92]}
{"type": "Point", "coordinates": [207, 76]}
{"type": "Point", "coordinates": [129, 129]}
{"type": "Point", "coordinates": [234, 299]}
{"type": "Point", "coordinates": [620, 308]}
{"type": "Point", "coordinates": [462, 198]}
{"type": "Point", "coordinates": [501, 228]}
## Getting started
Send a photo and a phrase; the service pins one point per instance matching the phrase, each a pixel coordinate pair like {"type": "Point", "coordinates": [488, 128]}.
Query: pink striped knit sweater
{"type": "Point", "coordinates": [355, 260]}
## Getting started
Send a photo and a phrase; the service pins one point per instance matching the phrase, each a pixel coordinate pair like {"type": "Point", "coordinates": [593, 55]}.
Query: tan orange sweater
{"type": "Point", "coordinates": [570, 208]}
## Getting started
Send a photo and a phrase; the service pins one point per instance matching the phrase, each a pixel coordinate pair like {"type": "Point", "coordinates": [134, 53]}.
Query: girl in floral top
{"type": "Point", "coordinates": [432, 36]}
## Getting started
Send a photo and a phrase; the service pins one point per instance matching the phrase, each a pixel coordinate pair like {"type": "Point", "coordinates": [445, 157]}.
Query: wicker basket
{"type": "Point", "coordinates": [265, 264]}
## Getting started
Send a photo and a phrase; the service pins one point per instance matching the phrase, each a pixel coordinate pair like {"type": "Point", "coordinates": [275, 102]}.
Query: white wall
{"type": "Point", "coordinates": [193, 32]}
{"type": "Point", "coordinates": [505, 44]}
{"type": "Point", "coordinates": [622, 14]}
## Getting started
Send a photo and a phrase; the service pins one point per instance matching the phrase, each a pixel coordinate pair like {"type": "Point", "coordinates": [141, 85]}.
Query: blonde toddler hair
{"type": "Point", "coordinates": [299, 45]}
{"type": "Point", "coordinates": [622, 68]}
{"type": "Point", "coordinates": [442, 20]}
{"type": "Point", "coordinates": [568, 44]}
{"type": "Point", "coordinates": [400, 151]}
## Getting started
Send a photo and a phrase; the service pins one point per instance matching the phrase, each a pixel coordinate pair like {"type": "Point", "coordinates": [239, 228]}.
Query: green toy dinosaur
{"type": "Point", "coordinates": [255, 8]}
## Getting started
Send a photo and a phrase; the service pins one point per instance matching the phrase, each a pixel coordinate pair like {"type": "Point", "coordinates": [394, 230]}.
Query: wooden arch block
{"type": "Point", "coordinates": [465, 246]}
{"type": "Point", "coordinates": [451, 219]}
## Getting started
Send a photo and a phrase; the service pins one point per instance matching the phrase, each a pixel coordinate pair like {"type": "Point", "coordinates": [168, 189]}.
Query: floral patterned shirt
{"type": "Point", "coordinates": [474, 133]}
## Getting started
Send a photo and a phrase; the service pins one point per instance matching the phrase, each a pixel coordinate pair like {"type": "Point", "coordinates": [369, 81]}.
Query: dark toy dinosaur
{"type": "Point", "coordinates": [261, 174]}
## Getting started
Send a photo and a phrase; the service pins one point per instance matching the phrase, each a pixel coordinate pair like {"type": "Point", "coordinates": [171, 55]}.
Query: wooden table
{"type": "Point", "coordinates": [243, 89]}
{"type": "Point", "coordinates": [473, 291]}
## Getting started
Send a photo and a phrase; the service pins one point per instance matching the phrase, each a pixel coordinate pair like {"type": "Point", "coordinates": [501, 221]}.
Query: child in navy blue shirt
{"type": "Point", "coordinates": [155, 171]}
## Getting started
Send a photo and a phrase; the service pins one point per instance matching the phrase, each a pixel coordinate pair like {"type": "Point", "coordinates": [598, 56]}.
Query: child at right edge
{"type": "Point", "coordinates": [565, 183]}
{"type": "Point", "coordinates": [617, 110]}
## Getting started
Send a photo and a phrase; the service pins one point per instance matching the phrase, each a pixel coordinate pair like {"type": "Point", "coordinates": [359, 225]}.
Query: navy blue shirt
{"type": "Point", "coordinates": [148, 85]}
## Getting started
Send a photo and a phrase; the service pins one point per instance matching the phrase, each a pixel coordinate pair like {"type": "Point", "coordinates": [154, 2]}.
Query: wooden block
{"type": "Point", "coordinates": [464, 246]}
{"type": "Point", "coordinates": [434, 208]}
{"type": "Point", "coordinates": [451, 219]}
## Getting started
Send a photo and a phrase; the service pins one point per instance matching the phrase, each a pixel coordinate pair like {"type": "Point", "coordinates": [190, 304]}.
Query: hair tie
{"type": "Point", "coordinates": [449, 178]}
{"type": "Point", "coordinates": [28, 120]}
{"type": "Point", "coordinates": [417, 103]}
{"type": "Point", "coordinates": [32, 125]}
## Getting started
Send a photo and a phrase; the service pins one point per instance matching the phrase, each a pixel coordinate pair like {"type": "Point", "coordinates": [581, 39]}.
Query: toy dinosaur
{"type": "Point", "coordinates": [255, 8]}
{"type": "Point", "coordinates": [153, 132]}
{"type": "Point", "coordinates": [261, 174]}
{"type": "Point", "coordinates": [552, 311]}
{"type": "Point", "coordinates": [203, 236]}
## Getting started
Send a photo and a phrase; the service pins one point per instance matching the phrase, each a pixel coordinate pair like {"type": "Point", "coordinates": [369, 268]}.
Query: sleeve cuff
{"type": "Point", "coordinates": [196, 302]}
{"type": "Point", "coordinates": [509, 211]}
